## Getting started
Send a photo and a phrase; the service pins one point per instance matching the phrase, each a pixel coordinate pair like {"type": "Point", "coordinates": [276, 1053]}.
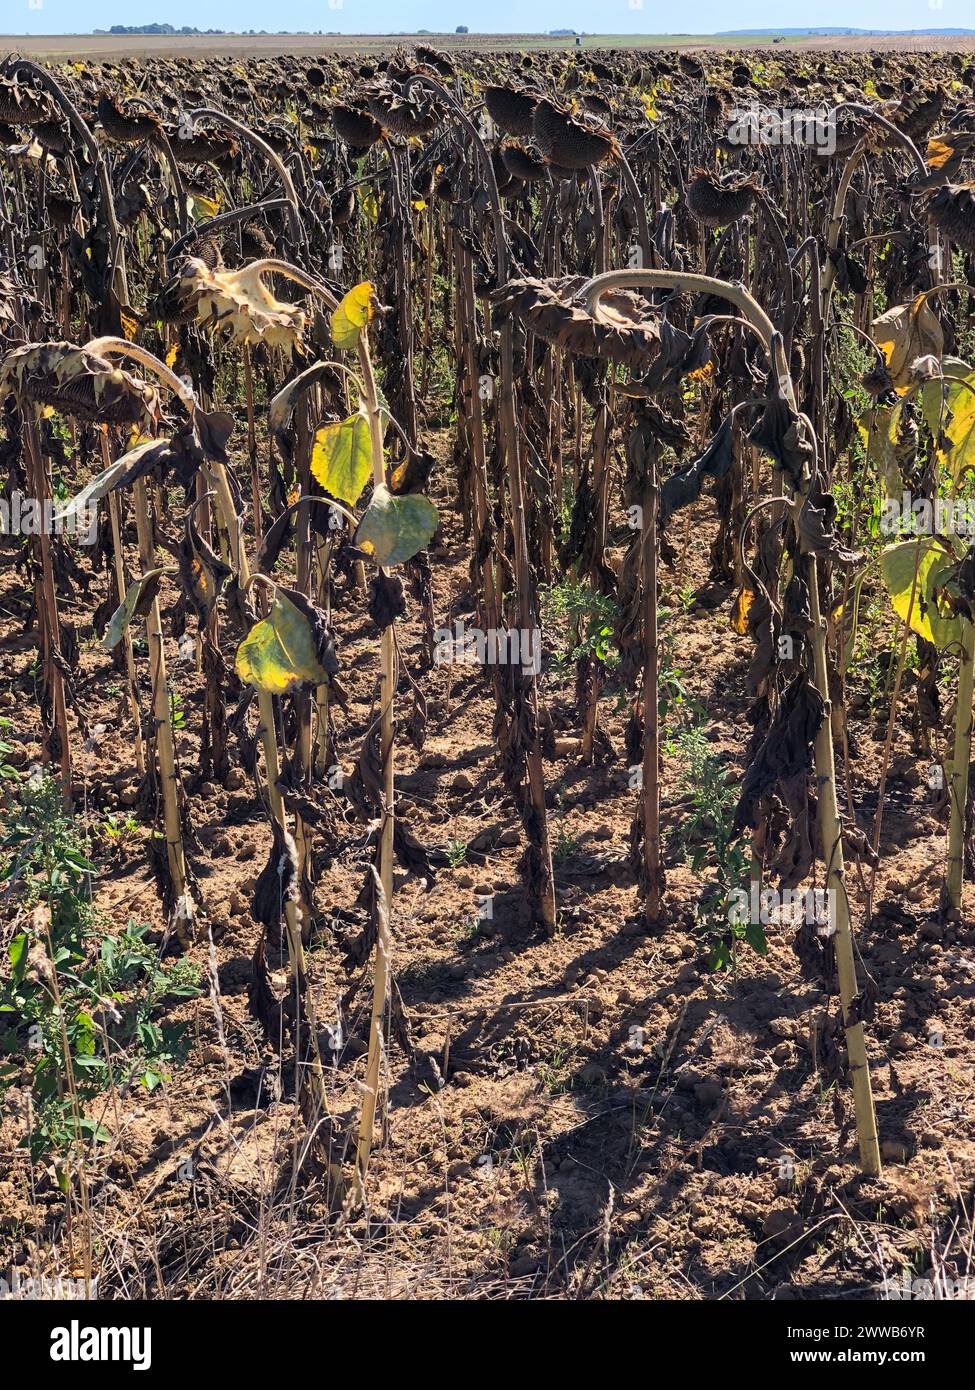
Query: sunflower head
{"type": "Point", "coordinates": [355, 126]}
{"type": "Point", "coordinates": [618, 330]}
{"type": "Point", "coordinates": [719, 201]}
{"type": "Point", "coordinates": [952, 209]}
{"type": "Point", "coordinates": [239, 303]}
{"type": "Point", "coordinates": [568, 142]}
{"type": "Point", "coordinates": [510, 109]}
{"type": "Point", "coordinates": [78, 382]}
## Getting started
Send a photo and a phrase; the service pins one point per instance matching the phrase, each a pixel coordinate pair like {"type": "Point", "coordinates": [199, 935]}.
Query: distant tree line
{"type": "Point", "coordinates": [155, 29]}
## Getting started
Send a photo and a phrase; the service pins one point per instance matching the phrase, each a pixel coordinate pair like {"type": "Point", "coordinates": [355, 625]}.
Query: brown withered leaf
{"type": "Point", "coordinates": [680, 354]}
{"type": "Point", "coordinates": [276, 884]}
{"type": "Point", "coordinates": [387, 599]}
{"type": "Point", "coordinates": [269, 996]}
{"type": "Point", "coordinates": [684, 485]}
{"type": "Point", "coordinates": [365, 786]}
{"type": "Point", "coordinates": [411, 854]}
{"type": "Point", "coordinates": [794, 861]}
{"type": "Point", "coordinates": [786, 750]}
{"type": "Point", "coordinates": [779, 432]}
{"type": "Point", "coordinates": [816, 536]}
{"type": "Point", "coordinates": [413, 474]}
{"type": "Point", "coordinates": [202, 571]}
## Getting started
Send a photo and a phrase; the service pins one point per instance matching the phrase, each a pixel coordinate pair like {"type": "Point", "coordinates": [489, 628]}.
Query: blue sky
{"type": "Point", "coordinates": [503, 16]}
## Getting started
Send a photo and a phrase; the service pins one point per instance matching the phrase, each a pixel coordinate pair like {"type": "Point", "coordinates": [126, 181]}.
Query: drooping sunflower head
{"type": "Point", "coordinates": [239, 303]}
{"type": "Point", "coordinates": [618, 330]}
{"type": "Point", "coordinates": [80, 383]}
{"type": "Point", "coordinates": [952, 209]}
{"type": "Point", "coordinates": [355, 126]}
{"type": "Point", "coordinates": [126, 125]}
{"type": "Point", "coordinates": [717, 201]}
{"type": "Point", "coordinates": [569, 143]}
{"type": "Point", "coordinates": [510, 109]}
{"type": "Point", "coordinates": [405, 111]}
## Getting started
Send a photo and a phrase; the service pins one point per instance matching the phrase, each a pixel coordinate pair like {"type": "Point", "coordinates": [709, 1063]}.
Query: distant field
{"type": "Point", "coordinates": [67, 46]}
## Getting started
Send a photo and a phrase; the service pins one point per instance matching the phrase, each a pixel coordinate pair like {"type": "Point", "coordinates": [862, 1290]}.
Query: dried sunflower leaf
{"type": "Point", "coordinates": [684, 485]}
{"type": "Point", "coordinates": [778, 431]}
{"type": "Point", "coordinates": [138, 597]}
{"type": "Point", "coordinates": [786, 751]}
{"type": "Point", "coordinates": [99, 487]}
{"type": "Point", "coordinates": [202, 571]}
{"type": "Point", "coordinates": [904, 333]}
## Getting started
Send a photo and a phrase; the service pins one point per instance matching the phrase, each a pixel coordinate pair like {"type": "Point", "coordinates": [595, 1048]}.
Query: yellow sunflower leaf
{"type": "Point", "coordinates": [279, 652]}
{"type": "Point", "coordinates": [939, 153]}
{"type": "Point", "coordinates": [341, 458]}
{"type": "Point", "coordinates": [201, 207]}
{"type": "Point", "coordinates": [903, 334]}
{"type": "Point", "coordinates": [743, 603]}
{"type": "Point", "coordinates": [933, 563]}
{"type": "Point", "coordinates": [352, 315]}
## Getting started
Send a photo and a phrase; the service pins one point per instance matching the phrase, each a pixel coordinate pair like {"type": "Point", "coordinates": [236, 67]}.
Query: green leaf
{"type": "Point", "coordinates": [138, 597]}
{"type": "Point", "coordinates": [754, 934]}
{"type": "Point", "coordinates": [352, 315]}
{"type": "Point", "coordinates": [393, 529]}
{"type": "Point", "coordinates": [75, 857]}
{"type": "Point", "coordinates": [279, 652]}
{"type": "Point", "coordinates": [720, 956]}
{"type": "Point", "coordinates": [17, 955]}
{"type": "Point", "coordinates": [92, 1128]}
{"type": "Point", "coordinates": [341, 458]}
{"type": "Point", "coordinates": [934, 562]}
{"type": "Point", "coordinates": [88, 1061]}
